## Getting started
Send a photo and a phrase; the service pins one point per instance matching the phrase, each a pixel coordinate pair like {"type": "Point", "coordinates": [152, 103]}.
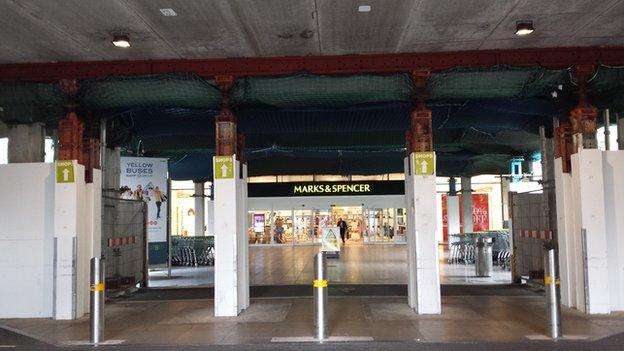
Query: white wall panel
{"type": "Point", "coordinates": [26, 240]}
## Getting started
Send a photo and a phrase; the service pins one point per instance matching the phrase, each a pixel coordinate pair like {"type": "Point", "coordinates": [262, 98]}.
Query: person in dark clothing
{"type": "Point", "coordinates": [343, 229]}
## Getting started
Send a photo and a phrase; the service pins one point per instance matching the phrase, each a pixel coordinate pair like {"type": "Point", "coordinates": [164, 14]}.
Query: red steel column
{"type": "Point", "coordinates": [583, 117]}
{"type": "Point", "coordinates": [225, 124]}
{"type": "Point", "coordinates": [421, 123]}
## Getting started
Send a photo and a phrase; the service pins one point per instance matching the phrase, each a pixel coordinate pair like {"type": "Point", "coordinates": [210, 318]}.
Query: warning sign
{"type": "Point", "coordinates": [330, 239]}
{"type": "Point", "coordinates": [223, 167]}
{"type": "Point", "coordinates": [424, 163]}
{"type": "Point", "coordinates": [64, 171]}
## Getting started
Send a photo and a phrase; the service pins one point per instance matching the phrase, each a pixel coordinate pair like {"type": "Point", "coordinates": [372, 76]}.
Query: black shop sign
{"type": "Point", "coordinates": [391, 187]}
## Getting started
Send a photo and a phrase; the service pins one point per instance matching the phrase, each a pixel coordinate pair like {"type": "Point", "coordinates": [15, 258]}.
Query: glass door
{"type": "Point", "coordinates": [303, 227]}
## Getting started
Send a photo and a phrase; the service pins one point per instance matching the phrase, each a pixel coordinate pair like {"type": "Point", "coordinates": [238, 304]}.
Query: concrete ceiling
{"type": "Point", "coordinates": [81, 30]}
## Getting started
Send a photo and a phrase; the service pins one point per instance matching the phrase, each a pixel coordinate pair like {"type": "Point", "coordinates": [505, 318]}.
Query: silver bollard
{"type": "Point", "coordinates": [320, 296]}
{"type": "Point", "coordinates": [553, 297]}
{"type": "Point", "coordinates": [97, 300]}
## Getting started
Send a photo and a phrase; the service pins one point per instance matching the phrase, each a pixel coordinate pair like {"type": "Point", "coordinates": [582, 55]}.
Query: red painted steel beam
{"type": "Point", "coordinates": [267, 66]}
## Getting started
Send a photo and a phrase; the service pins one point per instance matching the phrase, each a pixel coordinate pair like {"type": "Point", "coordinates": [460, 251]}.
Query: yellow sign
{"type": "Point", "coordinates": [64, 171]}
{"type": "Point", "coordinates": [330, 239]}
{"type": "Point", "coordinates": [320, 283]}
{"type": "Point", "coordinates": [223, 167]}
{"type": "Point", "coordinates": [423, 163]}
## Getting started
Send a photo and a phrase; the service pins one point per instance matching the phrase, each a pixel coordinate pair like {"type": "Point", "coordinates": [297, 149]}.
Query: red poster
{"type": "Point", "coordinates": [480, 214]}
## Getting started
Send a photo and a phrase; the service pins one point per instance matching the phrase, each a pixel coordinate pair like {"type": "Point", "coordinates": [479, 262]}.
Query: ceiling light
{"type": "Point", "coordinates": [168, 12]}
{"type": "Point", "coordinates": [121, 40]}
{"type": "Point", "coordinates": [524, 28]}
{"type": "Point", "coordinates": [364, 8]}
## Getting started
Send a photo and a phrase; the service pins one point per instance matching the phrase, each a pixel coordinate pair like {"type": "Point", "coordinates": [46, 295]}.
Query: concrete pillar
{"type": "Point", "coordinates": [423, 265]}
{"type": "Point", "coordinates": [26, 143]}
{"type": "Point", "coordinates": [452, 210]}
{"type": "Point", "coordinates": [504, 183]}
{"type": "Point", "coordinates": [231, 287]}
{"type": "Point", "coordinates": [199, 208]}
{"type": "Point", "coordinates": [112, 170]}
{"type": "Point", "coordinates": [466, 204]}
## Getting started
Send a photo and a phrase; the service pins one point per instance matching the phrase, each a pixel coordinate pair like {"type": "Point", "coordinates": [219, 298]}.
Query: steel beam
{"type": "Point", "coordinates": [369, 63]}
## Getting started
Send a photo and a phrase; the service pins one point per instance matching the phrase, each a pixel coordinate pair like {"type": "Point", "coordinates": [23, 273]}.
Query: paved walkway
{"type": "Point", "coordinates": [359, 264]}
{"type": "Point", "coordinates": [191, 322]}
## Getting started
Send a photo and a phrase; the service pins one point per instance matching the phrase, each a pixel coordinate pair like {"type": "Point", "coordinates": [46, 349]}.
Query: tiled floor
{"type": "Point", "coordinates": [464, 318]}
{"type": "Point", "coordinates": [358, 264]}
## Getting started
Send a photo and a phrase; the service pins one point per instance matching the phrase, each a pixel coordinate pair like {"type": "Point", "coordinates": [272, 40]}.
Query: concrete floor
{"type": "Point", "coordinates": [358, 264]}
{"type": "Point", "coordinates": [191, 322]}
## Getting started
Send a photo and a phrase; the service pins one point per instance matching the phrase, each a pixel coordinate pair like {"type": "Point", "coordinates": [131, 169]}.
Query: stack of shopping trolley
{"type": "Point", "coordinates": [462, 248]}
{"type": "Point", "coordinates": [192, 251]}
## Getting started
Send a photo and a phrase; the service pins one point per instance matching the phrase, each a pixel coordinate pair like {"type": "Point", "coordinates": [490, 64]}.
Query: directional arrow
{"type": "Point", "coordinates": [224, 171]}
{"type": "Point", "coordinates": [423, 167]}
{"type": "Point", "coordinates": [65, 175]}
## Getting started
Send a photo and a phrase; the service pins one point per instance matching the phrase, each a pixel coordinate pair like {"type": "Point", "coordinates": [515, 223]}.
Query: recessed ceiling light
{"type": "Point", "coordinates": [524, 28]}
{"type": "Point", "coordinates": [364, 8]}
{"type": "Point", "coordinates": [121, 40]}
{"type": "Point", "coordinates": [168, 12]}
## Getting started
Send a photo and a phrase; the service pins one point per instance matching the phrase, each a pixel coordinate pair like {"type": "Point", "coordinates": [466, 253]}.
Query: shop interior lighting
{"type": "Point", "coordinates": [364, 8]}
{"type": "Point", "coordinates": [121, 40]}
{"type": "Point", "coordinates": [524, 28]}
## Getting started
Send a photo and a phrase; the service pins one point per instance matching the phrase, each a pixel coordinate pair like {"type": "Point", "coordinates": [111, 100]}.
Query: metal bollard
{"type": "Point", "coordinates": [553, 297]}
{"type": "Point", "coordinates": [97, 300]}
{"type": "Point", "coordinates": [320, 296]}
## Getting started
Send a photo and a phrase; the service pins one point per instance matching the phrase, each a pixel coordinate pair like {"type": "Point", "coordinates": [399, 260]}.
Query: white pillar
{"type": "Point", "coordinates": [466, 192]}
{"type": "Point", "coordinates": [452, 215]}
{"type": "Point", "coordinates": [589, 202]}
{"type": "Point", "coordinates": [423, 265]}
{"type": "Point", "coordinates": [71, 264]}
{"type": "Point", "coordinates": [230, 285]}
{"type": "Point", "coordinates": [243, 252]}
{"type": "Point", "coordinates": [412, 301]}
{"type": "Point", "coordinates": [26, 143]}
{"type": "Point", "coordinates": [504, 183]}
{"type": "Point", "coordinates": [199, 208]}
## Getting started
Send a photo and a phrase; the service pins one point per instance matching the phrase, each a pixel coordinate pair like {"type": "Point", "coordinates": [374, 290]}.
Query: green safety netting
{"type": "Point", "coordinates": [165, 90]}
{"type": "Point", "coordinates": [494, 82]}
{"type": "Point", "coordinates": [36, 101]}
{"type": "Point", "coordinates": [30, 102]}
{"type": "Point", "coordinates": [328, 91]}
{"type": "Point", "coordinates": [482, 116]}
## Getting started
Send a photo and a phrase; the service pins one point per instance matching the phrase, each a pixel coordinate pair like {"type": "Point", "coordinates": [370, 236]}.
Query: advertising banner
{"type": "Point", "coordinates": [480, 214]}
{"type": "Point", "coordinates": [146, 179]}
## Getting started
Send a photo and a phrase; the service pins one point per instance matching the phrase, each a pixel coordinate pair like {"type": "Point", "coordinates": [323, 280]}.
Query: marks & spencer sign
{"type": "Point", "coordinates": [326, 189]}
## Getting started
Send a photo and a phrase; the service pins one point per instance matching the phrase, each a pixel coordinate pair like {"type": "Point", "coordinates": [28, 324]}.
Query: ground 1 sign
{"type": "Point", "coordinates": [223, 167]}
{"type": "Point", "coordinates": [64, 171]}
{"type": "Point", "coordinates": [424, 163]}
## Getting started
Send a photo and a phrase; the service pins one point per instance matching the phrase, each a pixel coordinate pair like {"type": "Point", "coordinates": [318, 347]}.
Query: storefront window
{"type": "Point", "coordinates": [304, 226]}
{"type": "Point", "coordinates": [183, 208]}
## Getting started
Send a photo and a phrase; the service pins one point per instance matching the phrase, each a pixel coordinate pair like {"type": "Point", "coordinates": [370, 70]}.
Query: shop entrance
{"type": "Point", "coordinates": [304, 226]}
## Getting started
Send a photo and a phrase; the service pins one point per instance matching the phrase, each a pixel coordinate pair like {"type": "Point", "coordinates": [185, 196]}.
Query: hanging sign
{"type": "Point", "coordinates": [223, 167]}
{"type": "Point", "coordinates": [145, 179]}
{"type": "Point", "coordinates": [423, 163]}
{"type": "Point", "coordinates": [330, 240]}
{"type": "Point", "coordinates": [65, 171]}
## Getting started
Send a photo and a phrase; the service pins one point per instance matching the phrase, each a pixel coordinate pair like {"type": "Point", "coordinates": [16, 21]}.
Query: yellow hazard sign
{"type": "Point", "coordinates": [223, 167]}
{"type": "Point", "coordinates": [64, 171]}
{"type": "Point", "coordinates": [423, 163]}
